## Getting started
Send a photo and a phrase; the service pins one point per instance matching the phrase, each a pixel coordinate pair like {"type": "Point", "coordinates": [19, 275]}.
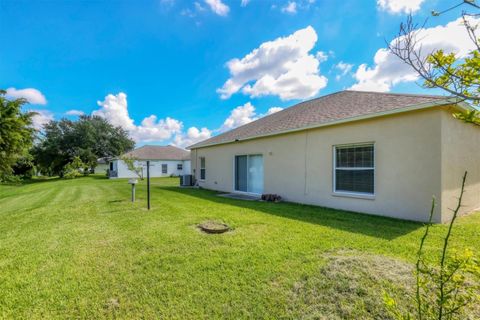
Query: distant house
{"type": "Point", "coordinates": [102, 166]}
{"type": "Point", "coordinates": [378, 153]}
{"type": "Point", "coordinates": [165, 161]}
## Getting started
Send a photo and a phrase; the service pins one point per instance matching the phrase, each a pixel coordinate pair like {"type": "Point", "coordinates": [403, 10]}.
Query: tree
{"type": "Point", "coordinates": [89, 138]}
{"type": "Point", "coordinates": [130, 162]}
{"type": "Point", "coordinates": [24, 167]}
{"type": "Point", "coordinates": [16, 133]}
{"type": "Point", "coordinates": [74, 169]}
{"type": "Point", "coordinates": [460, 77]}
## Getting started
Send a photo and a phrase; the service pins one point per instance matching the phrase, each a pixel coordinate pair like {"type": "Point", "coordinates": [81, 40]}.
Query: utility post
{"type": "Point", "coordinates": [133, 182]}
{"type": "Point", "coordinates": [148, 184]}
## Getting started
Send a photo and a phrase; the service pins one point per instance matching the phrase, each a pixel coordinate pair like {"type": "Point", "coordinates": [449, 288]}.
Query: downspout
{"type": "Point", "coordinates": [195, 168]}
{"type": "Point", "coordinates": [305, 191]}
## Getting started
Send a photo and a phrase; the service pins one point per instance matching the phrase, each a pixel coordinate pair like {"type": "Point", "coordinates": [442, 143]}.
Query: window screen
{"type": "Point", "coordinates": [164, 168]}
{"type": "Point", "coordinates": [179, 166]}
{"type": "Point", "coordinates": [355, 168]}
{"type": "Point", "coordinates": [202, 168]}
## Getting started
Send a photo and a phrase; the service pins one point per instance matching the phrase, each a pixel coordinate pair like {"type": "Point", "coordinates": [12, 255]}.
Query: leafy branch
{"type": "Point", "coordinates": [458, 76]}
{"type": "Point", "coordinates": [130, 162]}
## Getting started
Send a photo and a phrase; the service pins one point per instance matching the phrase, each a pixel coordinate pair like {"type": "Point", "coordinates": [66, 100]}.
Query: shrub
{"type": "Point", "coordinates": [443, 291]}
{"type": "Point", "coordinates": [74, 169]}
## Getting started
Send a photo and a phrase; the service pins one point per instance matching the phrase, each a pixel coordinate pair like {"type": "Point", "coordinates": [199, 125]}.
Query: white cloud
{"type": "Point", "coordinates": [188, 13]}
{"type": "Point", "coordinates": [199, 7]}
{"type": "Point", "coordinates": [344, 69]}
{"type": "Point", "coordinates": [239, 116]}
{"type": "Point", "coordinates": [115, 110]}
{"type": "Point", "coordinates": [32, 95]}
{"type": "Point", "coordinates": [290, 7]}
{"type": "Point", "coordinates": [388, 70]}
{"type": "Point", "coordinates": [321, 56]}
{"type": "Point", "coordinates": [194, 12]}
{"type": "Point", "coordinates": [153, 129]}
{"type": "Point", "coordinates": [399, 6]}
{"type": "Point", "coordinates": [244, 3]}
{"type": "Point", "coordinates": [218, 7]}
{"type": "Point", "coordinates": [282, 67]}
{"type": "Point", "coordinates": [167, 4]}
{"type": "Point", "coordinates": [41, 118]}
{"type": "Point", "coordinates": [244, 114]}
{"type": "Point", "coordinates": [273, 110]}
{"type": "Point", "coordinates": [74, 113]}
{"type": "Point", "coordinates": [192, 136]}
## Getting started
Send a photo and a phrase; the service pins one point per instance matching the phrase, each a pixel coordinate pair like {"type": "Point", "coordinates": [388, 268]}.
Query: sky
{"type": "Point", "coordinates": [177, 72]}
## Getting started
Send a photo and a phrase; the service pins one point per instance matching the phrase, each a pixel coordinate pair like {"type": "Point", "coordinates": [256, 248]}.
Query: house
{"type": "Point", "coordinates": [165, 161]}
{"type": "Point", "coordinates": [377, 153]}
{"type": "Point", "coordinates": [102, 166]}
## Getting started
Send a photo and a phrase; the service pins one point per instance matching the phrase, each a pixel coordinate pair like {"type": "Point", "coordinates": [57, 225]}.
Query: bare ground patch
{"type": "Point", "coordinates": [351, 285]}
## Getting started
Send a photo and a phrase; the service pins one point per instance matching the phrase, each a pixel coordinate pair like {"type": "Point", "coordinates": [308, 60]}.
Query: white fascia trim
{"type": "Point", "coordinates": [449, 101]}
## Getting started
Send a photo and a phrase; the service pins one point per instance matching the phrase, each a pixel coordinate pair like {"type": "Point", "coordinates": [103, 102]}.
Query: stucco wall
{"type": "Point", "coordinates": [187, 167]}
{"type": "Point", "coordinates": [460, 153]}
{"type": "Point", "coordinates": [155, 168]}
{"type": "Point", "coordinates": [298, 166]}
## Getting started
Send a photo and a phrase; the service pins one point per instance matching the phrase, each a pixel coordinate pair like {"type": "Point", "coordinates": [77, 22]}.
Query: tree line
{"type": "Point", "coordinates": [61, 148]}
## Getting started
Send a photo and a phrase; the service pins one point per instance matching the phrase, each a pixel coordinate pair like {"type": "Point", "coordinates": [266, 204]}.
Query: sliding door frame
{"type": "Point", "coordinates": [235, 176]}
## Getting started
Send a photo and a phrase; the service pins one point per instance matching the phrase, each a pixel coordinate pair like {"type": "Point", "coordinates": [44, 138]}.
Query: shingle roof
{"type": "Point", "coordinates": [331, 108]}
{"type": "Point", "coordinates": [159, 153]}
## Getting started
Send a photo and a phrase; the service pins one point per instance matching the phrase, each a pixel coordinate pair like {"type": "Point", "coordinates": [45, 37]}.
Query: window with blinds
{"type": "Point", "coordinates": [354, 169]}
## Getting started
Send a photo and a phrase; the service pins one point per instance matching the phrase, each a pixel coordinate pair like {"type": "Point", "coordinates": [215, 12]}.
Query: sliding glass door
{"type": "Point", "coordinates": [249, 173]}
{"type": "Point", "coordinates": [241, 173]}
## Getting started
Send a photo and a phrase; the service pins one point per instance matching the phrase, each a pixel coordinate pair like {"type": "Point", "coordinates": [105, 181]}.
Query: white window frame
{"type": "Point", "coordinates": [179, 166]}
{"type": "Point", "coordinates": [248, 159]}
{"type": "Point", "coordinates": [366, 195]}
{"type": "Point", "coordinates": [204, 168]}
{"type": "Point", "coordinates": [166, 168]}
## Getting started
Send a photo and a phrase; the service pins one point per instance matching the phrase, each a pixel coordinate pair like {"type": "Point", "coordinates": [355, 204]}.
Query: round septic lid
{"type": "Point", "coordinates": [213, 227]}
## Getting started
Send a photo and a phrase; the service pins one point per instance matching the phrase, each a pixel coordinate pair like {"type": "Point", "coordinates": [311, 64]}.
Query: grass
{"type": "Point", "coordinates": [80, 249]}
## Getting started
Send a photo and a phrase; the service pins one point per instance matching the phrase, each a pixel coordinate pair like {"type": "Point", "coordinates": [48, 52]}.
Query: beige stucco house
{"type": "Point", "coordinates": [378, 153]}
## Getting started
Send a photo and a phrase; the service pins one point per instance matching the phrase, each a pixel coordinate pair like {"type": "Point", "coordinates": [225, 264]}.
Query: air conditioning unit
{"type": "Point", "coordinates": [186, 180]}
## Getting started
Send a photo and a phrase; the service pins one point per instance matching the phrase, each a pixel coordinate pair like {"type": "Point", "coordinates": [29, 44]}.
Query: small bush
{"type": "Point", "coordinates": [74, 169]}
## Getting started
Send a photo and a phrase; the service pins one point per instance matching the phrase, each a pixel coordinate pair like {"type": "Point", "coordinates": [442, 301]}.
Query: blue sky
{"type": "Point", "coordinates": [170, 58]}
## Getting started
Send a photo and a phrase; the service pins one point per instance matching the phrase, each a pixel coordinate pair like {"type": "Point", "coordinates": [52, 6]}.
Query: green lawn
{"type": "Point", "coordinates": [80, 249]}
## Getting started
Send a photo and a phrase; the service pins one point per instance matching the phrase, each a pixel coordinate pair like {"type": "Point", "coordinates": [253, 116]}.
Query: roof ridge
{"type": "Point", "coordinates": [153, 145]}
{"type": "Point", "coordinates": [160, 146]}
{"type": "Point", "coordinates": [399, 94]}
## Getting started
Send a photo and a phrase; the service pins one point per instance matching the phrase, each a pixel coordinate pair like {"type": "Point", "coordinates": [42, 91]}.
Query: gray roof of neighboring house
{"type": "Point", "coordinates": [103, 160]}
{"type": "Point", "coordinates": [334, 108]}
{"type": "Point", "coordinates": [159, 153]}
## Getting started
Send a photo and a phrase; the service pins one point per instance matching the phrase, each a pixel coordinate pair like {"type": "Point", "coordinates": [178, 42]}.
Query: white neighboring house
{"type": "Point", "coordinates": [102, 166]}
{"type": "Point", "coordinates": [165, 161]}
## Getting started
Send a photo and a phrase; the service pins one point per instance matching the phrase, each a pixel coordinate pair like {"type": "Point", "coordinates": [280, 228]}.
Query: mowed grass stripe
{"type": "Point", "coordinates": [80, 249]}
